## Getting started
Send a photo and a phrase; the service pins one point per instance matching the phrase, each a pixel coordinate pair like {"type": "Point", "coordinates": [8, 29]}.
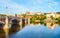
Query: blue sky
{"type": "Point", "coordinates": [21, 6]}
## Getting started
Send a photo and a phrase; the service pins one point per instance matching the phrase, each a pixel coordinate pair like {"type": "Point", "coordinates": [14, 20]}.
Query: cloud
{"type": "Point", "coordinates": [49, 4]}
{"type": "Point", "coordinates": [31, 5]}
{"type": "Point", "coordinates": [44, 5]}
{"type": "Point", "coordinates": [12, 6]}
{"type": "Point", "coordinates": [52, 4]}
{"type": "Point", "coordinates": [40, 1]}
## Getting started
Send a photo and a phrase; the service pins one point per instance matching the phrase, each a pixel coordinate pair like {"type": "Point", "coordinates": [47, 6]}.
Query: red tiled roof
{"type": "Point", "coordinates": [28, 16]}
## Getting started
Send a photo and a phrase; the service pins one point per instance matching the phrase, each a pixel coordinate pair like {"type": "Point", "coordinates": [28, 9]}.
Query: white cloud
{"type": "Point", "coordinates": [34, 5]}
{"type": "Point", "coordinates": [52, 4]}
{"type": "Point", "coordinates": [44, 4]}
{"type": "Point", "coordinates": [41, 1]}
{"type": "Point", "coordinates": [12, 6]}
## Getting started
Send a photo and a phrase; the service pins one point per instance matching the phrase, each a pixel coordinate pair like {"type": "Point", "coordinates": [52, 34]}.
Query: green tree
{"type": "Point", "coordinates": [58, 19]}
{"type": "Point", "coordinates": [58, 12]}
{"type": "Point", "coordinates": [53, 18]}
{"type": "Point", "coordinates": [34, 17]}
{"type": "Point", "coordinates": [2, 15]}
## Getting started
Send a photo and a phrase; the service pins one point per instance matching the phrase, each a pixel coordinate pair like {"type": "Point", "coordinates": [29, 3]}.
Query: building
{"type": "Point", "coordinates": [48, 15]}
{"type": "Point", "coordinates": [55, 15]}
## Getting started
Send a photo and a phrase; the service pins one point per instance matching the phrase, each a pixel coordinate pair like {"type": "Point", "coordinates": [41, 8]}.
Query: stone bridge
{"type": "Point", "coordinates": [6, 20]}
{"type": "Point", "coordinates": [3, 18]}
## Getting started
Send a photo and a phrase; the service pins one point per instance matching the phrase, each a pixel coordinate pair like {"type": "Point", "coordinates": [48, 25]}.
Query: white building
{"type": "Point", "coordinates": [55, 15]}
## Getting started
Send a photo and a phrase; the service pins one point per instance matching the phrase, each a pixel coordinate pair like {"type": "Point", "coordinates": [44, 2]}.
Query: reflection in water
{"type": "Point", "coordinates": [37, 31]}
{"type": "Point", "coordinates": [3, 31]}
{"type": "Point", "coordinates": [23, 21]}
{"type": "Point", "coordinates": [6, 33]}
{"type": "Point", "coordinates": [14, 28]}
{"type": "Point", "coordinates": [2, 34]}
{"type": "Point", "coordinates": [32, 31]}
{"type": "Point", "coordinates": [51, 25]}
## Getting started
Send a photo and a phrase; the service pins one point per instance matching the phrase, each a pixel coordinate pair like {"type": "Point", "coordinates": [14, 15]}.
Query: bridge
{"type": "Point", "coordinates": [6, 20]}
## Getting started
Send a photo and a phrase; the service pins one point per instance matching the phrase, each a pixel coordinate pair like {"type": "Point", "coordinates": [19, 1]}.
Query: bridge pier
{"type": "Point", "coordinates": [28, 21]}
{"type": "Point", "coordinates": [6, 23]}
{"type": "Point", "coordinates": [20, 23]}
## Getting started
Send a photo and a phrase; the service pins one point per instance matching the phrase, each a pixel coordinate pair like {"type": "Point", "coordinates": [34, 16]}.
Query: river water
{"type": "Point", "coordinates": [35, 31]}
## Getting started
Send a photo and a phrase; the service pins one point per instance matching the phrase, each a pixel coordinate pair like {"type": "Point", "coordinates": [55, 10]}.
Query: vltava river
{"type": "Point", "coordinates": [37, 31]}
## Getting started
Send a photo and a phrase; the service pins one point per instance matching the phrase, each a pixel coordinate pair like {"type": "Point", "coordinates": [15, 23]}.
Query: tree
{"type": "Point", "coordinates": [34, 18]}
{"type": "Point", "coordinates": [38, 18]}
{"type": "Point", "coordinates": [58, 19]}
{"type": "Point", "coordinates": [53, 18]}
{"type": "Point", "coordinates": [2, 15]}
{"type": "Point", "coordinates": [58, 12]}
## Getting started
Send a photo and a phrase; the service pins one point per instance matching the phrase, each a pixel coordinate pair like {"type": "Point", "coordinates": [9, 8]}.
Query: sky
{"type": "Point", "coordinates": [21, 6]}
